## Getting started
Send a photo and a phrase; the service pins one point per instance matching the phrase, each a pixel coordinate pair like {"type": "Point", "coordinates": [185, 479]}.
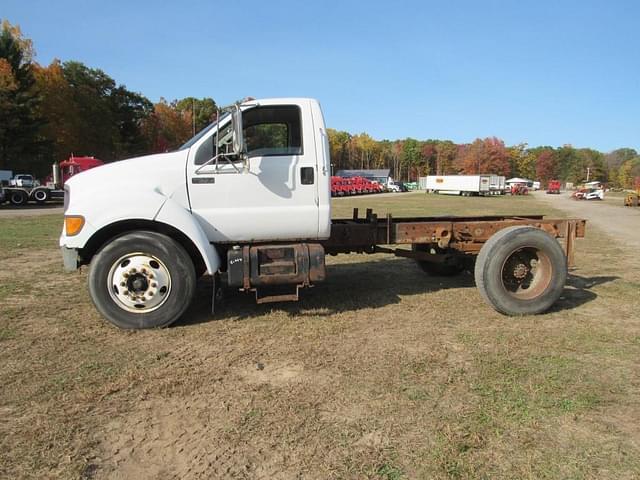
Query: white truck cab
{"type": "Point", "coordinates": [259, 174]}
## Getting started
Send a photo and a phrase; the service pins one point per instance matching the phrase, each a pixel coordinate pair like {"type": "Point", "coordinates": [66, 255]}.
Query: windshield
{"type": "Point", "coordinates": [202, 133]}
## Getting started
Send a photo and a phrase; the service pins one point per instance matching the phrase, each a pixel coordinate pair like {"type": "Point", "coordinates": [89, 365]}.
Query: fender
{"type": "Point", "coordinates": [105, 211]}
{"type": "Point", "coordinates": [179, 217]}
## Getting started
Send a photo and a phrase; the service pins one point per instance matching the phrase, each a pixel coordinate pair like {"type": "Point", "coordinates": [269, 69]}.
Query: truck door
{"type": "Point", "coordinates": [277, 199]}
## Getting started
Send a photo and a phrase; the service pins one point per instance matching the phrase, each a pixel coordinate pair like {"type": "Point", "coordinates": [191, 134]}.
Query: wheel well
{"type": "Point", "coordinates": [101, 237]}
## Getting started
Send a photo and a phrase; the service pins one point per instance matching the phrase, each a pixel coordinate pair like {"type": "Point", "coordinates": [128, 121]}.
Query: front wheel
{"type": "Point", "coordinates": [142, 280]}
{"type": "Point", "coordinates": [521, 271]}
{"type": "Point", "coordinates": [40, 195]}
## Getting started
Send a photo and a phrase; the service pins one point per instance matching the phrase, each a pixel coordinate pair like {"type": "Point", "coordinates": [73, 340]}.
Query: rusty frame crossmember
{"type": "Point", "coordinates": [462, 235]}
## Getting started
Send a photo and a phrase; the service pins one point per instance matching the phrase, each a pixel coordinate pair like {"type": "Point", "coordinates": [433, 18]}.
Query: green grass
{"type": "Point", "coordinates": [389, 472]}
{"type": "Point", "coordinates": [32, 232]}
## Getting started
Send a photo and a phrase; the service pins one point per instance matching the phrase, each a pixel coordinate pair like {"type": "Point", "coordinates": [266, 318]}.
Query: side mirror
{"type": "Point", "coordinates": [237, 140]}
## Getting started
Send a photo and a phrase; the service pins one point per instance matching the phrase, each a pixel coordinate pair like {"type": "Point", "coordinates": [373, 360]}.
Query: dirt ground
{"type": "Point", "coordinates": [619, 222]}
{"type": "Point", "coordinates": [381, 372]}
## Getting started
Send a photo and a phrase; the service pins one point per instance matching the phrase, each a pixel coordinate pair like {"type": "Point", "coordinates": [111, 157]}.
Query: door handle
{"type": "Point", "coordinates": [306, 175]}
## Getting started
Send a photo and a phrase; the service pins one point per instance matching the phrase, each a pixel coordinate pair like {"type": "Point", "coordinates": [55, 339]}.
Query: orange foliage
{"type": "Point", "coordinates": [484, 156]}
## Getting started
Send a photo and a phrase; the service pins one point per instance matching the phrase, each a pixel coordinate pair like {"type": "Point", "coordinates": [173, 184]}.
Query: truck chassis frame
{"type": "Point", "coordinates": [464, 235]}
{"type": "Point", "coordinates": [276, 271]}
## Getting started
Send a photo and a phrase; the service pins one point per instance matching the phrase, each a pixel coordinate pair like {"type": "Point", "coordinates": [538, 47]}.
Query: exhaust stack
{"type": "Point", "coordinates": [57, 176]}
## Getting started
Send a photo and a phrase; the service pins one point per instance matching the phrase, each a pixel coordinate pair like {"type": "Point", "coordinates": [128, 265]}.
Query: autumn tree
{"type": "Point", "coordinates": [200, 111]}
{"type": "Point", "coordinates": [616, 160]}
{"type": "Point", "coordinates": [624, 177]}
{"type": "Point", "coordinates": [546, 165]}
{"type": "Point", "coordinates": [522, 161]}
{"type": "Point", "coordinates": [88, 113]}
{"type": "Point", "coordinates": [338, 146]}
{"type": "Point", "coordinates": [21, 142]}
{"type": "Point", "coordinates": [363, 147]}
{"type": "Point", "coordinates": [446, 152]}
{"type": "Point", "coordinates": [167, 127]}
{"type": "Point", "coordinates": [57, 107]}
{"type": "Point", "coordinates": [485, 156]}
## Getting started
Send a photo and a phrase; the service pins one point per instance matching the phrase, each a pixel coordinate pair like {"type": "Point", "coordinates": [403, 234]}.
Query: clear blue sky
{"type": "Point", "coordinates": [542, 72]}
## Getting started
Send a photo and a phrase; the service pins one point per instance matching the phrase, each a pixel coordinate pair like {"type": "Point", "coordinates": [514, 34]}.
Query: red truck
{"type": "Point", "coordinates": [342, 186]}
{"type": "Point", "coordinates": [337, 187]}
{"type": "Point", "coordinates": [553, 187]}
{"type": "Point", "coordinates": [53, 184]}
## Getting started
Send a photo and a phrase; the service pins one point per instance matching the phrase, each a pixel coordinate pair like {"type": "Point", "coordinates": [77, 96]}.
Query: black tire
{"type": "Point", "coordinates": [506, 277]}
{"type": "Point", "coordinates": [18, 198]}
{"type": "Point", "coordinates": [173, 259]}
{"type": "Point", "coordinates": [40, 195]}
{"type": "Point", "coordinates": [436, 269]}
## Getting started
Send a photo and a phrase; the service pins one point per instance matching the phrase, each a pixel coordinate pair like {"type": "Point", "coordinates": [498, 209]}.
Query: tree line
{"type": "Point", "coordinates": [50, 112]}
{"type": "Point", "coordinates": [409, 159]}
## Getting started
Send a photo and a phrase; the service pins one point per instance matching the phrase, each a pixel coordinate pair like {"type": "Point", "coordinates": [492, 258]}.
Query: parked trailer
{"type": "Point", "coordinates": [497, 185]}
{"type": "Point", "coordinates": [243, 217]}
{"type": "Point", "coordinates": [465, 185]}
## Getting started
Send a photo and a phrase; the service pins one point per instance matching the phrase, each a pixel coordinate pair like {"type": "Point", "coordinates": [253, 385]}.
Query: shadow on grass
{"type": "Point", "coordinates": [578, 291]}
{"type": "Point", "coordinates": [355, 286]}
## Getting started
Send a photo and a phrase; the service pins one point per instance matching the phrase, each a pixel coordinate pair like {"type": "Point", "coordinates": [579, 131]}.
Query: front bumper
{"type": "Point", "coordinates": [69, 258]}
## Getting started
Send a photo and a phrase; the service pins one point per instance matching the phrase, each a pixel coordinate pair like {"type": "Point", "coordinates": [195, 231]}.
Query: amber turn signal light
{"type": "Point", "coordinates": [73, 224]}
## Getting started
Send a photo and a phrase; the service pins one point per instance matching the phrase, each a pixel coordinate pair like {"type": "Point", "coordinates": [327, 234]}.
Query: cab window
{"type": "Point", "coordinates": [273, 130]}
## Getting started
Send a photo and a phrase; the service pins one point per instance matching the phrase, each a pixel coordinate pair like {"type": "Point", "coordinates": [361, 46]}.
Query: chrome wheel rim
{"type": "Point", "coordinates": [40, 195]}
{"type": "Point", "coordinates": [139, 282]}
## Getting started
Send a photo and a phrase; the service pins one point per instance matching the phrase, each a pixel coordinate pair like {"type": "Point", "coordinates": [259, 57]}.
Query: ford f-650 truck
{"type": "Point", "coordinates": [248, 201]}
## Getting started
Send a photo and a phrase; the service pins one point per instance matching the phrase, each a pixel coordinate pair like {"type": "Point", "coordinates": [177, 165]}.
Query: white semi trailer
{"type": "Point", "coordinates": [498, 185]}
{"type": "Point", "coordinates": [465, 185]}
{"type": "Point", "coordinates": [247, 201]}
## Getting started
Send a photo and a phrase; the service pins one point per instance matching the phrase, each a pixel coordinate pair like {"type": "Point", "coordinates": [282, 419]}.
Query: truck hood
{"type": "Point", "coordinates": [163, 173]}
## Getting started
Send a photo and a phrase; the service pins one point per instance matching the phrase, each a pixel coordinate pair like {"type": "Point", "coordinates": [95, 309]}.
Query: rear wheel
{"type": "Point", "coordinates": [18, 198]}
{"type": "Point", "coordinates": [142, 280]}
{"type": "Point", "coordinates": [521, 271]}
